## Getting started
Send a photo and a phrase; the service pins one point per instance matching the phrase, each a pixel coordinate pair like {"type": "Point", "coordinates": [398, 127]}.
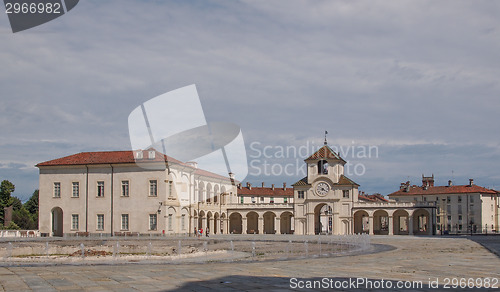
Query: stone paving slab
{"type": "Point", "coordinates": [411, 259]}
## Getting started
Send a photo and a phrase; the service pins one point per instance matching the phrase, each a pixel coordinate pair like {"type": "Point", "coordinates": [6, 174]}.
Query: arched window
{"type": "Point", "coordinates": [322, 167]}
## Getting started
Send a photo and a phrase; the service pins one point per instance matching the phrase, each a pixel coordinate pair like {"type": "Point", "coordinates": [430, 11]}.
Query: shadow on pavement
{"type": "Point", "coordinates": [248, 283]}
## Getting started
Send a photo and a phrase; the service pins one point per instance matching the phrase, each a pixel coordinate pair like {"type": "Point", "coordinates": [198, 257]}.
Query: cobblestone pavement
{"type": "Point", "coordinates": [412, 259]}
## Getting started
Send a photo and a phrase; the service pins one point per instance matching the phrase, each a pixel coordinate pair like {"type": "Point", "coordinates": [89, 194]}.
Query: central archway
{"type": "Point", "coordinates": [57, 222]}
{"type": "Point", "coordinates": [323, 219]}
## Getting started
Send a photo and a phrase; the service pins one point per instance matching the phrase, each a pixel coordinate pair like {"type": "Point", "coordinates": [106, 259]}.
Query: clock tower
{"type": "Point", "coordinates": [323, 199]}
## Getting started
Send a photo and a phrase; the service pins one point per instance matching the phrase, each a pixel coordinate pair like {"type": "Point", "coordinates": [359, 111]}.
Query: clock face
{"type": "Point", "coordinates": [322, 188]}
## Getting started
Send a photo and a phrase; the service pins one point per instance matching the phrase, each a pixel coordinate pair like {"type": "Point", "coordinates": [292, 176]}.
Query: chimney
{"type": "Point", "coordinates": [272, 187]}
{"type": "Point", "coordinates": [284, 186]}
{"type": "Point", "coordinates": [450, 183]}
{"type": "Point", "coordinates": [427, 181]}
{"type": "Point", "coordinates": [471, 181]}
{"type": "Point", "coordinates": [262, 184]}
{"type": "Point", "coordinates": [249, 186]}
{"type": "Point", "coordinates": [239, 186]}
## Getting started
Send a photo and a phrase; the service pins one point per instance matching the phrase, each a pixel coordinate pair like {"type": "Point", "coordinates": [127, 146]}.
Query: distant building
{"type": "Point", "coordinates": [460, 208]}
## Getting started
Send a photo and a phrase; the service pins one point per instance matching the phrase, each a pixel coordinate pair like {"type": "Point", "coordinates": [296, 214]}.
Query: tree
{"type": "Point", "coordinates": [6, 188]}
{"type": "Point", "coordinates": [32, 204]}
{"type": "Point", "coordinates": [16, 203]}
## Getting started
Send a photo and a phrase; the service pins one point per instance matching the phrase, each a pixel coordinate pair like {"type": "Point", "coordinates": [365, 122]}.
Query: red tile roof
{"type": "Point", "coordinates": [120, 157]}
{"type": "Point", "coordinates": [438, 190]}
{"type": "Point", "coordinates": [325, 152]}
{"type": "Point", "coordinates": [258, 191]}
{"type": "Point", "coordinates": [373, 198]}
{"type": "Point", "coordinates": [343, 180]}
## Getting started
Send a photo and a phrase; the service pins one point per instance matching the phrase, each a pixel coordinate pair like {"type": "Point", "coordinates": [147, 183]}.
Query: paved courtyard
{"type": "Point", "coordinates": [400, 258]}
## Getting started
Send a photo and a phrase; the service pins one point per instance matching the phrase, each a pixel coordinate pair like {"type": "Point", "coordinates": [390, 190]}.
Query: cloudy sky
{"type": "Point", "coordinates": [417, 80]}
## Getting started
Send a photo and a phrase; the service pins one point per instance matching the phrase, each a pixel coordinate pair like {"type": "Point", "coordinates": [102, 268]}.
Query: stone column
{"type": "Point", "coordinates": [391, 226]}
{"type": "Point", "coordinates": [277, 224]}
{"type": "Point", "coordinates": [261, 224]}
{"type": "Point", "coordinates": [410, 225]}
{"type": "Point", "coordinates": [370, 224]}
{"type": "Point", "coordinates": [243, 225]}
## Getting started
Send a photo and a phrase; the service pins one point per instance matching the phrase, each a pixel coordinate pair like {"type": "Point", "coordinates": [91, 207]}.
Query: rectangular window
{"type": "Point", "coordinates": [100, 189]}
{"type": "Point", "coordinates": [183, 222]}
{"type": "Point", "coordinates": [459, 199]}
{"type": "Point", "coordinates": [459, 209]}
{"type": "Point", "coordinates": [285, 200]}
{"type": "Point", "coordinates": [449, 217]}
{"type": "Point", "coordinates": [345, 194]}
{"type": "Point", "coordinates": [170, 194]}
{"type": "Point", "coordinates": [124, 221]}
{"type": "Point", "coordinates": [460, 226]}
{"type": "Point", "coordinates": [57, 190]}
{"type": "Point", "coordinates": [472, 199]}
{"type": "Point", "coordinates": [152, 221]}
{"type": "Point", "coordinates": [438, 220]}
{"type": "Point", "coordinates": [448, 209]}
{"type": "Point", "coordinates": [125, 188]}
{"type": "Point", "coordinates": [262, 199]}
{"type": "Point", "coordinates": [272, 200]}
{"type": "Point", "coordinates": [76, 190]}
{"type": "Point", "coordinates": [459, 217]}
{"type": "Point", "coordinates": [241, 199]}
{"type": "Point", "coordinates": [74, 222]}
{"type": "Point", "coordinates": [253, 200]}
{"type": "Point", "coordinates": [438, 210]}
{"type": "Point", "coordinates": [301, 194]}
{"type": "Point", "coordinates": [425, 199]}
{"type": "Point", "coordinates": [100, 221]}
{"type": "Point", "coordinates": [448, 199]}
{"type": "Point", "coordinates": [153, 188]}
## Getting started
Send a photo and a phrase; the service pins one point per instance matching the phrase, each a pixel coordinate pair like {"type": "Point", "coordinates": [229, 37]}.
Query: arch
{"type": "Point", "coordinates": [323, 219]}
{"type": "Point", "coordinates": [216, 193]}
{"type": "Point", "coordinates": [269, 220]}
{"type": "Point", "coordinates": [201, 216]}
{"type": "Point", "coordinates": [201, 190]}
{"type": "Point", "coordinates": [361, 222]}
{"type": "Point", "coordinates": [252, 223]}
{"type": "Point", "coordinates": [381, 222]}
{"type": "Point", "coordinates": [286, 222]}
{"type": "Point", "coordinates": [235, 223]}
{"type": "Point", "coordinates": [57, 221]}
{"type": "Point", "coordinates": [400, 221]}
{"type": "Point", "coordinates": [171, 219]}
{"type": "Point", "coordinates": [209, 193]}
{"type": "Point", "coordinates": [217, 225]}
{"type": "Point", "coordinates": [322, 167]}
{"type": "Point", "coordinates": [421, 222]}
{"type": "Point", "coordinates": [208, 227]}
{"type": "Point", "coordinates": [184, 220]}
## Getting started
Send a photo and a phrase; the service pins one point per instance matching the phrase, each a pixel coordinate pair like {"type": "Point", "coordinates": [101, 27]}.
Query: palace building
{"type": "Point", "coordinates": [146, 192]}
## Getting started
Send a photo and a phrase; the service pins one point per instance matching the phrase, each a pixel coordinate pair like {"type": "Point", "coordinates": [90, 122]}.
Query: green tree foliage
{"type": "Point", "coordinates": [23, 216]}
{"type": "Point", "coordinates": [6, 188]}
{"type": "Point", "coordinates": [32, 204]}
